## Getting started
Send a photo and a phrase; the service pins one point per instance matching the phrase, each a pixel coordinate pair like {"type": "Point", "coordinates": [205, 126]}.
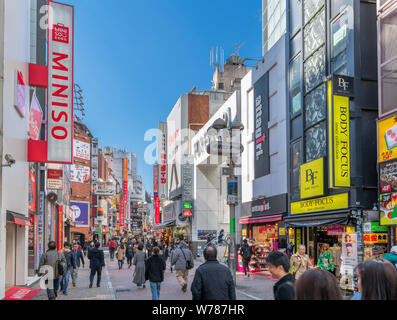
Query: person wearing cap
{"type": "Point", "coordinates": [392, 256]}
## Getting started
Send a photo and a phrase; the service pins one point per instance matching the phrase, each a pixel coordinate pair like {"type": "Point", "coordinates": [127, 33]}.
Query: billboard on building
{"type": "Point", "coordinates": [60, 42]}
{"type": "Point", "coordinates": [80, 213]}
{"type": "Point", "coordinates": [79, 174]}
{"type": "Point", "coordinates": [155, 178]}
{"type": "Point", "coordinates": [81, 149]}
{"type": "Point", "coordinates": [261, 133]}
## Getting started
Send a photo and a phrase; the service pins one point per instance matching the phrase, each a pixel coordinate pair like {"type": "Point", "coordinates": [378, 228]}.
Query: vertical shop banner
{"type": "Point", "coordinates": [80, 213]}
{"type": "Point", "coordinates": [157, 209]}
{"type": "Point", "coordinates": [162, 161]}
{"type": "Point", "coordinates": [40, 229]}
{"type": "Point", "coordinates": [187, 186]}
{"type": "Point", "coordinates": [155, 179]}
{"type": "Point", "coordinates": [349, 260]}
{"type": "Point", "coordinates": [35, 117]}
{"type": "Point", "coordinates": [20, 93]}
{"type": "Point", "coordinates": [32, 190]}
{"type": "Point", "coordinates": [261, 105]}
{"type": "Point", "coordinates": [60, 38]}
{"type": "Point", "coordinates": [60, 228]}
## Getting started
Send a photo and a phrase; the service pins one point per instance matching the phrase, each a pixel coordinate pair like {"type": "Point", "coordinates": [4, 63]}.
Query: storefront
{"type": "Point", "coordinates": [264, 229]}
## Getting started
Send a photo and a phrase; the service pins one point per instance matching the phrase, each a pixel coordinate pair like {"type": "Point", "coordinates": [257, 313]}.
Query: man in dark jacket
{"type": "Point", "coordinates": [212, 280]}
{"type": "Point", "coordinates": [49, 264]}
{"type": "Point", "coordinates": [97, 261]}
{"type": "Point", "coordinates": [77, 256]}
{"type": "Point", "coordinates": [129, 253]}
{"type": "Point", "coordinates": [246, 254]}
{"type": "Point", "coordinates": [278, 264]}
{"type": "Point", "coordinates": [71, 263]}
{"type": "Point", "coordinates": [154, 272]}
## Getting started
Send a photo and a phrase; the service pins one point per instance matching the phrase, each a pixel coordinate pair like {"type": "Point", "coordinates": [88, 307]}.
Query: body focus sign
{"type": "Point", "coordinates": [60, 82]}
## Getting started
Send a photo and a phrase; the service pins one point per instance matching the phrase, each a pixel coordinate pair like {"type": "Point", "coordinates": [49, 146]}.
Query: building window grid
{"type": "Point", "coordinates": [273, 34]}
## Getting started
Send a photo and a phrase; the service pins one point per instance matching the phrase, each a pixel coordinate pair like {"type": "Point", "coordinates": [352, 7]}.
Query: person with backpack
{"type": "Point", "coordinates": [129, 253]}
{"type": "Point", "coordinates": [70, 263]}
{"type": "Point", "coordinates": [246, 254]}
{"type": "Point", "coordinates": [52, 262]}
{"type": "Point", "coordinates": [278, 264]}
{"type": "Point", "coordinates": [112, 248]}
{"type": "Point", "coordinates": [97, 262]}
{"type": "Point", "coordinates": [182, 259]}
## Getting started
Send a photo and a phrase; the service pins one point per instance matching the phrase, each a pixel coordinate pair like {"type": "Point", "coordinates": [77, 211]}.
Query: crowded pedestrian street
{"type": "Point", "coordinates": [198, 158]}
{"type": "Point", "coordinates": [117, 285]}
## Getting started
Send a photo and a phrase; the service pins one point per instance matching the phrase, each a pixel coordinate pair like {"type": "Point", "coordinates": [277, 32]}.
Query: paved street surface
{"type": "Point", "coordinates": [117, 285]}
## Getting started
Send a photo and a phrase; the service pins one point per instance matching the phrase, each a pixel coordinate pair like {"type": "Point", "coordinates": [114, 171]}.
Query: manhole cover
{"type": "Point", "coordinates": [123, 290]}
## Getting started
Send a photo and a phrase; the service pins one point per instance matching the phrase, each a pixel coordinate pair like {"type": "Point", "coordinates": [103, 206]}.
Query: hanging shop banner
{"type": "Point", "coordinates": [339, 201]}
{"type": "Point", "coordinates": [187, 186]}
{"type": "Point", "coordinates": [35, 117]}
{"type": "Point", "coordinates": [60, 228]}
{"type": "Point", "coordinates": [81, 149]}
{"type": "Point", "coordinates": [388, 209]}
{"type": "Point", "coordinates": [55, 179]}
{"type": "Point", "coordinates": [261, 103]}
{"type": "Point", "coordinates": [32, 190]}
{"type": "Point", "coordinates": [60, 40]}
{"type": "Point", "coordinates": [157, 209]}
{"type": "Point", "coordinates": [94, 174]}
{"type": "Point", "coordinates": [162, 161]}
{"type": "Point", "coordinates": [338, 140]}
{"type": "Point", "coordinates": [232, 190]}
{"type": "Point", "coordinates": [79, 173]}
{"type": "Point", "coordinates": [312, 179]}
{"type": "Point", "coordinates": [387, 139]}
{"type": "Point", "coordinates": [40, 229]}
{"type": "Point", "coordinates": [373, 227]}
{"type": "Point", "coordinates": [349, 260]}
{"type": "Point", "coordinates": [80, 213]}
{"type": "Point", "coordinates": [155, 178]}
{"type": "Point", "coordinates": [388, 176]}
{"type": "Point", "coordinates": [20, 93]}
{"type": "Point", "coordinates": [375, 237]}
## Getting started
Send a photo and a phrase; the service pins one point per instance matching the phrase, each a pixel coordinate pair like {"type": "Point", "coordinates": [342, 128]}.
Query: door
{"type": "Point", "coordinates": [10, 254]}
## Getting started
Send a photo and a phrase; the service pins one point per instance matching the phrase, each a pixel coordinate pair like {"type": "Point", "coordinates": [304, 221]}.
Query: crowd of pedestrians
{"type": "Point", "coordinates": [297, 278]}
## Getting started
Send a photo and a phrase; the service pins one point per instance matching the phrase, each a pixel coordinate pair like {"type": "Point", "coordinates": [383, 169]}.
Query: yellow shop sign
{"type": "Point", "coordinates": [312, 179]}
{"type": "Point", "coordinates": [339, 201]}
{"type": "Point", "coordinates": [387, 139]}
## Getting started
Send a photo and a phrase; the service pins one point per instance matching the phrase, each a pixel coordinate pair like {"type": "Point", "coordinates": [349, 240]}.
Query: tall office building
{"type": "Point", "coordinates": [273, 22]}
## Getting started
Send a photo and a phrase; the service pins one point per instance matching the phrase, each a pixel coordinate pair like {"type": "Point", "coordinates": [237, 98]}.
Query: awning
{"type": "Point", "coordinates": [314, 220]}
{"type": "Point", "coordinates": [18, 218]}
{"type": "Point", "coordinates": [165, 224]}
{"type": "Point", "coordinates": [250, 220]}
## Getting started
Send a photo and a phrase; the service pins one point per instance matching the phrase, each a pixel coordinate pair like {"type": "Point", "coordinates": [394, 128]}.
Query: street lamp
{"type": "Point", "coordinates": [221, 124]}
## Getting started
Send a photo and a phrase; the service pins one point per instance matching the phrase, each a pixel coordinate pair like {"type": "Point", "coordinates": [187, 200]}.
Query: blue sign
{"type": "Point", "coordinates": [80, 213]}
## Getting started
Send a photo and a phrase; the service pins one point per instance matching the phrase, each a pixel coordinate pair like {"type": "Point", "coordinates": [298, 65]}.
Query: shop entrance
{"type": "Point", "coordinates": [11, 244]}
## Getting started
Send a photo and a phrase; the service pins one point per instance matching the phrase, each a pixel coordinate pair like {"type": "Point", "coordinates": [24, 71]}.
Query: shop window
{"type": "Point", "coordinates": [388, 73]}
{"type": "Point", "coordinates": [310, 7]}
{"type": "Point", "coordinates": [296, 158]}
{"type": "Point", "coordinates": [316, 142]}
{"type": "Point", "coordinates": [343, 44]}
{"type": "Point", "coordinates": [315, 104]}
{"type": "Point", "coordinates": [314, 34]}
{"type": "Point", "coordinates": [295, 80]}
{"type": "Point", "coordinates": [314, 69]}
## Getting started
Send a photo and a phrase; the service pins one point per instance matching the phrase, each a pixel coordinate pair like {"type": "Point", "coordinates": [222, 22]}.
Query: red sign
{"type": "Point", "coordinates": [187, 213]}
{"type": "Point", "coordinates": [32, 191]}
{"type": "Point", "coordinates": [19, 293]}
{"type": "Point", "coordinates": [60, 83]}
{"type": "Point", "coordinates": [60, 228]}
{"type": "Point", "coordinates": [122, 212]}
{"type": "Point", "coordinates": [157, 206]}
{"type": "Point", "coordinates": [54, 174]}
{"type": "Point", "coordinates": [386, 188]}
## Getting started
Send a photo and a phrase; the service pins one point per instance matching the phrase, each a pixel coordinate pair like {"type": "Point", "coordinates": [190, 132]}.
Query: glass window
{"type": "Point", "coordinates": [314, 69]}
{"type": "Point", "coordinates": [296, 78]}
{"type": "Point", "coordinates": [315, 104]}
{"type": "Point", "coordinates": [343, 45]}
{"type": "Point", "coordinates": [389, 86]}
{"type": "Point", "coordinates": [296, 45]}
{"type": "Point", "coordinates": [388, 35]}
{"type": "Point", "coordinates": [311, 7]}
{"type": "Point", "coordinates": [314, 34]}
{"type": "Point", "coordinates": [296, 130]}
{"type": "Point", "coordinates": [297, 157]}
{"type": "Point", "coordinates": [295, 15]}
{"type": "Point", "coordinates": [338, 5]}
{"type": "Point", "coordinates": [316, 142]}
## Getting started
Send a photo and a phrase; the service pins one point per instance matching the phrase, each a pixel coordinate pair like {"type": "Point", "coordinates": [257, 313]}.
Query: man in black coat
{"type": "Point", "coordinates": [278, 264]}
{"type": "Point", "coordinates": [154, 272]}
{"type": "Point", "coordinates": [97, 261]}
{"type": "Point", "coordinates": [212, 280]}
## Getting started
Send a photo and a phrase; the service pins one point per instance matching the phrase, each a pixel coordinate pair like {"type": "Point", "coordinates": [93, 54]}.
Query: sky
{"type": "Point", "coordinates": [133, 59]}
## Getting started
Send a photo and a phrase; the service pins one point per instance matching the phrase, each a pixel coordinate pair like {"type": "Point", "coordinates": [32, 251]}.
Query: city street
{"type": "Point", "coordinates": [117, 285]}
